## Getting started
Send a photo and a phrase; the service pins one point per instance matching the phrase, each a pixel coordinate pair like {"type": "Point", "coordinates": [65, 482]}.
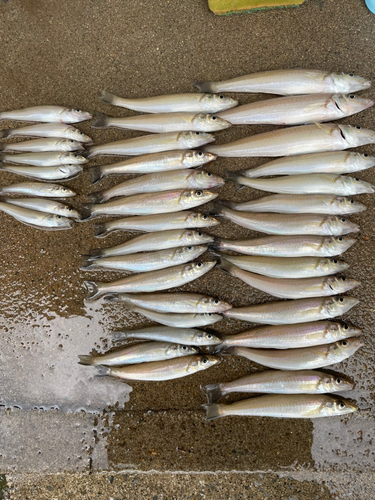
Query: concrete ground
{"type": "Point", "coordinates": [65, 434]}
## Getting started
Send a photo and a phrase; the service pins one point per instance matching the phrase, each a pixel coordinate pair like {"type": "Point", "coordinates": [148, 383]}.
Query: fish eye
{"type": "Point", "coordinates": [346, 327]}
{"type": "Point", "coordinates": [221, 96]}
{"type": "Point", "coordinates": [341, 299]}
{"type": "Point", "coordinates": [358, 127]}
{"type": "Point", "coordinates": [196, 133]}
{"type": "Point", "coordinates": [213, 117]}
{"type": "Point", "coordinates": [344, 343]}
{"type": "Point", "coordinates": [204, 360]}
{"type": "Point", "coordinates": [343, 220]}
{"type": "Point", "coordinates": [209, 336]}
{"type": "Point", "coordinates": [340, 238]}
{"type": "Point", "coordinates": [209, 174]}
{"type": "Point", "coordinates": [351, 96]}
{"type": "Point", "coordinates": [338, 381]}
{"type": "Point", "coordinates": [59, 216]}
{"type": "Point", "coordinates": [199, 233]}
{"type": "Point", "coordinates": [78, 110]}
{"type": "Point", "coordinates": [205, 217]}
{"type": "Point", "coordinates": [184, 347]}
{"type": "Point", "coordinates": [75, 156]}
{"type": "Point", "coordinates": [209, 314]}
{"type": "Point", "coordinates": [343, 278]}
{"type": "Point", "coordinates": [357, 179]}
{"type": "Point", "coordinates": [351, 201]}
{"type": "Point", "coordinates": [69, 209]}
{"type": "Point", "coordinates": [71, 140]}
{"type": "Point", "coordinates": [200, 153]}
{"type": "Point", "coordinates": [335, 261]}
{"type": "Point", "coordinates": [216, 301]}
{"type": "Point", "coordinates": [341, 405]}
{"type": "Point", "coordinates": [365, 155]}
{"type": "Point", "coordinates": [80, 133]}
{"type": "Point", "coordinates": [198, 193]}
{"type": "Point", "coordinates": [199, 264]}
{"type": "Point", "coordinates": [351, 74]}
{"type": "Point", "coordinates": [189, 248]}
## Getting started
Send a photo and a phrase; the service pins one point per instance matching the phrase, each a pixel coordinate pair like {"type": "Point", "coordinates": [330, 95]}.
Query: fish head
{"type": "Point", "coordinates": [345, 82]}
{"type": "Point", "coordinates": [340, 225]}
{"type": "Point", "coordinates": [69, 145]}
{"type": "Point", "coordinates": [213, 103]}
{"type": "Point", "coordinates": [197, 158]}
{"type": "Point", "coordinates": [350, 104]}
{"type": "Point", "coordinates": [336, 306]}
{"type": "Point", "coordinates": [74, 116]}
{"type": "Point", "coordinates": [348, 205]}
{"type": "Point", "coordinates": [178, 350]}
{"type": "Point", "coordinates": [77, 135]}
{"type": "Point", "coordinates": [332, 266]}
{"type": "Point", "coordinates": [359, 161]}
{"type": "Point", "coordinates": [340, 284]}
{"type": "Point", "coordinates": [205, 180]}
{"type": "Point", "coordinates": [195, 139]}
{"type": "Point", "coordinates": [194, 237]}
{"type": "Point", "coordinates": [206, 361]}
{"type": "Point", "coordinates": [189, 253]}
{"type": "Point", "coordinates": [73, 159]}
{"type": "Point", "coordinates": [61, 191]}
{"type": "Point", "coordinates": [342, 349]}
{"type": "Point", "coordinates": [209, 123]}
{"type": "Point", "coordinates": [358, 186]}
{"type": "Point", "coordinates": [333, 383]}
{"type": "Point", "coordinates": [344, 331]}
{"type": "Point", "coordinates": [197, 269]}
{"type": "Point", "coordinates": [69, 211]}
{"type": "Point", "coordinates": [69, 170]}
{"type": "Point", "coordinates": [356, 135]}
{"type": "Point", "coordinates": [334, 406]}
{"type": "Point", "coordinates": [212, 304]}
{"type": "Point", "coordinates": [337, 245]}
{"type": "Point", "coordinates": [206, 338]}
{"type": "Point", "coordinates": [201, 220]}
{"type": "Point", "coordinates": [58, 221]}
{"type": "Point", "coordinates": [197, 197]}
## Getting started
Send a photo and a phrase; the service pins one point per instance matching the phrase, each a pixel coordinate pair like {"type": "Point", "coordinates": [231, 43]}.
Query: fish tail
{"type": "Point", "coordinates": [86, 360]}
{"type": "Point", "coordinates": [90, 152]}
{"type": "Point", "coordinates": [101, 229]}
{"type": "Point", "coordinates": [102, 371]}
{"type": "Point", "coordinates": [212, 411]}
{"type": "Point", "coordinates": [213, 392]}
{"type": "Point", "coordinates": [217, 209]}
{"type": "Point", "coordinates": [107, 97]}
{"type": "Point", "coordinates": [101, 120]}
{"type": "Point", "coordinates": [96, 174]}
{"type": "Point", "coordinates": [93, 289]}
{"type": "Point", "coordinates": [118, 336]}
{"type": "Point", "coordinates": [216, 244]}
{"type": "Point", "coordinates": [225, 265]}
{"type": "Point", "coordinates": [2, 146]}
{"type": "Point", "coordinates": [205, 87]}
{"type": "Point", "coordinates": [234, 177]}
{"type": "Point", "coordinates": [87, 262]}
{"type": "Point", "coordinates": [5, 133]}
{"type": "Point", "coordinates": [228, 204]}
{"type": "Point", "coordinates": [97, 197]}
{"type": "Point", "coordinates": [85, 210]}
{"type": "Point", "coordinates": [95, 253]}
{"type": "Point", "coordinates": [112, 297]}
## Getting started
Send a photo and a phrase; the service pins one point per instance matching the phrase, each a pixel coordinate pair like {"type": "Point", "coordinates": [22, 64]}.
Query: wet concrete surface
{"type": "Point", "coordinates": [56, 419]}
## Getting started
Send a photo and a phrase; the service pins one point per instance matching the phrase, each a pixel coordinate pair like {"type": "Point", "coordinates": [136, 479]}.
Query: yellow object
{"type": "Point", "coordinates": [222, 7]}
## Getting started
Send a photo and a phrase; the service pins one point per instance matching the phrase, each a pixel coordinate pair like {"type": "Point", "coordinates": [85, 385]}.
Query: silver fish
{"type": "Point", "coordinates": [334, 162]}
{"type": "Point", "coordinates": [284, 406]}
{"type": "Point", "coordinates": [281, 382]}
{"type": "Point", "coordinates": [143, 262]}
{"type": "Point", "coordinates": [306, 184]}
{"type": "Point", "coordinates": [156, 222]}
{"type": "Point", "coordinates": [290, 312]}
{"type": "Point", "coordinates": [289, 224]}
{"type": "Point", "coordinates": [44, 173]}
{"type": "Point", "coordinates": [35, 218]}
{"type": "Point", "coordinates": [152, 281]}
{"type": "Point", "coordinates": [161, 370]}
{"type": "Point", "coordinates": [297, 140]}
{"type": "Point", "coordinates": [288, 246]}
{"type": "Point", "coordinates": [302, 203]}
{"type": "Point", "coordinates": [54, 114]}
{"type": "Point", "coordinates": [140, 353]}
{"type": "Point", "coordinates": [38, 189]}
{"type": "Point", "coordinates": [43, 205]}
{"type": "Point", "coordinates": [150, 203]}
{"type": "Point", "coordinates": [297, 110]}
{"type": "Point", "coordinates": [160, 181]}
{"type": "Point", "coordinates": [177, 302]}
{"type": "Point", "coordinates": [40, 145]}
{"type": "Point", "coordinates": [49, 159]}
{"type": "Point", "coordinates": [289, 82]}
{"type": "Point", "coordinates": [186, 336]}
{"type": "Point", "coordinates": [155, 241]}
{"type": "Point", "coordinates": [164, 122]}
{"type": "Point", "coordinates": [47, 130]}
{"type": "Point", "coordinates": [154, 143]}
{"type": "Point", "coordinates": [172, 103]}
{"type": "Point", "coordinates": [153, 162]}
{"type": "Point", "coordinates": [302, 358]}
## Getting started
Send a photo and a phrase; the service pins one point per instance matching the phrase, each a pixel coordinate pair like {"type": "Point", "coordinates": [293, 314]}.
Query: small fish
{"type": "Point", "coordinates": [153, 162]}
{"type": "Point", "coordinates": [54, 114]}
{"type": "Point", "coordinates": [288, 246]}
{"type": "Point", "coordinates": [34, 218]}
{"type": "Point", "coordinates": [164, 122]}
{"type": "Point", "coordinates": [41, 145]}
{"type": "Point", "coordinates": [49, 159]}
{"type": "Point", "coordinates": [159, 240]}
{"type": "Point", "coordinates": [284, 406]}
{"type": "Point", "coordinates": [177, 302]}
{"type": "Point", "coordinates": [161, 370]}
{"type": "Point", "coordinates": [157, 222]}
{"type": "Point", "coordinates": [306, 184]}
{"type": "Point", "coordinates": [154, 143]}
{"type": "Point", "coordinates": [152, 281]}
{"type": "Point", "coordinates": [303, 203]}
{"type": "Point", "coordinates": [149, 203]}
{"type": "Point", "coordinates": [289, 224]}
{"type": "Point", "coordinates": [290, 312]}
{"type": "Point", "coordinates": [160, 181]}
{"type": "Point", "coordinates": [289, 82]}
{"type": "Point", "coordinates": [172, 103]}
{"type": "Point", "coordinates": [44, 173]}
{"type": "Point", "coordinates": [38, 189]}
{"type": "Point", "coordinates": [43, 205]}
{"type": "Point", "coordinates": [332, 162]}
{"type": "Point", "coordinates": [281, 382]}
{"type": "Point", "coordinates": [302, 358]}
{"type": "Point", "coordinates": [47, 130]}
{"type": "Point", "coordinates": [140, 353]}
{"type": "Point", "coordinates": [143, 262]}
{"type": "Point", "coordinates": [186, 336]}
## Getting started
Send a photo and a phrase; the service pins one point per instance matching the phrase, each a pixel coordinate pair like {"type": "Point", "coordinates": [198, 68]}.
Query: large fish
{"type": "Point", "coordinates": [34, 218]}
{"type": "Point", "coordinates": [43, 145]}
{"type": "Point", "coordinates": [38, 189]}
{"type": "Point", "coordinates": [47, 130]}
{"type": "Point", "coordinates": [43, 205]}
{"type": "Point", "coordinates": [186, 336]}
{"type": "Point", "coordinates": [49, 159]}
{"type": "Point", "coordinates": [44, 173]}
{"type": "Point", "coordinates": [55, 114]}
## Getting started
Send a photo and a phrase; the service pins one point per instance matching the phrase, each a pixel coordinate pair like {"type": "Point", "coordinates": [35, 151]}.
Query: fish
{"type": "Point", "coordinates": [143, 262]}
{"type": "Point", "coordinates": [159, 240]}
{"type": "Point", "coordinates": [289, 82]}
{"type": "Point", "coordinates": [161, 370]}
{"type": "Point", "coordinates": [291, 288]}
{"type": "Point", "coordinates": [284, 406]}
{"type": "Point", "coordinates": [156, 222]}
{"type": "Point", "coordinates": [47, 130]}
{"type": "Point", "coordinates": [43, 145]}
{"type": "Point", "coordinates": [43, 205]}
{"type": "Point", "coordinates": [281, 382]}
{"type": "Point", "coordinates": [151, 281]}
{"type": "Point", "coordinates": [289, 224]}
{"type": "Point", "coordinates": [53, 114]}
{"type": "Point", "coordinates": [42, 189]}
{"type": "Point", "coordinates": [290, 312]}
{"type": "Point", "coordinates": [153, 143]}
{"type": "Point", "coordinates": [165, 122]}
{"type": "Point", "coordinates": [48, 159]}
{"type": "Point", "coordinates": [301, 203]}
{"type": "Point", "coordinates": [297, 110]}
{"type": "Point", "coordinates": [290, 336]}
{"type": "Point", "coordinates": [296, 140]}
{"type": "Point", "coordinates": [176, 320]}
{"type": "Point", "coordinates": [172, 103]}
{"type": "Point", "coordinates": [149, 203]}
{"type": "Point", "coordinates": [186, 336]}
{"type": "Point", "coordinates": [288, 267]}
{"type": "Point", "coordinates": [332, 162]}
{"type": "Point", "coordinates": [302, 357]}
{"type": "Point", "coordinates": [306, 184]}
{"type": "Point", "coordinates": [153, 162]}
{"type": "Point", "coordinates": [177, 302]}
{"type": "Point", "coordinates": [160, 181]}
{"type": "Point", "coordinates": [140, 353]}
{"type": "Point", "coordinates": [36, 219]}
{"type": "Point", "coordinates": [288, 246]}
{"type": "Point", "coordinates": [44, 173]}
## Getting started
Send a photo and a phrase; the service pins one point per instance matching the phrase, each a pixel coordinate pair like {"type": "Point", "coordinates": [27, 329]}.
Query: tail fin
{"type": "Point", "coordinates": [86, 360]}
{"type": "Point", "coordinates": [113, 297]}
{"type": "Point", "coordinates": [3, 146]}
{"type": "Point", "coordinates": [216, 244]}
{"type": "Point", "coordinates": [101, 120]}
{"type": "Point", "coordinates": [119, 336]}
{"type": "Point", "coordinates": [5, 133]}
{"type": "Point", "coordinates": [212, 411]}
{"type": "Point", "coordinates": [96, 174]}
{"type": "Point", "coordinates": [205, 87]}
{"type": "Point", "coordinates": [217, 208]}
{"type": "Point", "coordinates": [87, 263]}
{"type": "Point", "coordinates": [234, 177]}
{"type": "Point", "coordinates": [107, 97]}
{"type": "Point", "coordinates": [102, 371]}
{"type": "Point", "coordinates": [213, 392]}
{"type": "Point", "coordinates": [93, 289]}
{"type": "Point", "coordinates": [225, 265]}
{"type": "Point", "coordinates": [85, 210]}
{"type": "Point", "coordinates": [96, 252]}
{"type": "Point", "coordinates": [90, 152]}
{"type": "Point", "coordinates": [97, 197]}
{"type": "Point", "coordinates": [101, 229]}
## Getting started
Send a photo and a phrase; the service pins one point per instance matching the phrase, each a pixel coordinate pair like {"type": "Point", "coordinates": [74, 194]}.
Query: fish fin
{"type": "Point", "coordinates": [5, 133]}
{"type": "Point", "coordinates": [87, 263]}
{"type": "Point", "coordinates": [96, 174]}
{"type": "Point", "coordinates": [132, 307]}
{"type": "Point", "coordinates": [234, 177]}
{"type": "Point", "coordinates": [85, 210]}
{"type": "Point", "coordinates": [213, 252]}
{"type": "Point", "coordinates": [97, 197]}
{"type": "Point", "coordinates": [92, 289]}
{"type": "Point", "coordinates": [86, 360]}
{"type": "Point", "coordinates": [217, 208]}
{"type": "Point", "coordinates": [216, 244]}
{"type": "Point", "coordinates": [102, 371]}
{"type": "Point", "coordinates": [89, 153]}
{"type": "Point", "coordinates": [212, 411]}
{"type": "Point", "coordinates": [95, 253]}
{"type": "Point", "coordinates": [112, 297]}
{"type": "Point", "coordinates": [101, 230]}
{"type": "Point", "coordinates": [2, 146]}
{"type": "Point", "coordinates": [101, 120]}
{"type": "Point", "coordinates": [219, 348]}
{"type": "Point", "coordinates": [225, 265]}
{"type": "Point", "coordinates": [228, 203]}
{"type": "Point", "coordinates": [213, 392]}
{"type": "Point", "coordinates": [107, 97]}
{"type": "Point", "coordinates": [323, 127]}
{"type": "Point", "coordinates": [205, 87]}
{"type": "Point", "coordinates": [119, 336]}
